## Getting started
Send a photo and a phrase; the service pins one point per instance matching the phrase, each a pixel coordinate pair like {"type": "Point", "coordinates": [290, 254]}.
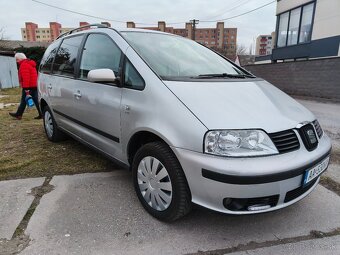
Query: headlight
{"type": "Point", "coordinates": [239, 143]}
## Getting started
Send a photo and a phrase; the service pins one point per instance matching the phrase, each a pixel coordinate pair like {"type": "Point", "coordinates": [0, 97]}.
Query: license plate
{"type": "Point", "coordinates": [313, 173]}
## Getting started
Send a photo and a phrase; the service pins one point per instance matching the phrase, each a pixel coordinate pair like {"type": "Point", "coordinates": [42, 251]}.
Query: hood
{"type": "Point", "coordinates": [28, 62]}
{"type": "Point", "coordinates": [244, 104]}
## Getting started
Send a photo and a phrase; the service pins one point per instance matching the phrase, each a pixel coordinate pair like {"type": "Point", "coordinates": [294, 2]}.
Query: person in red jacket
{"type": "Point", "coordinates": [28, 81]}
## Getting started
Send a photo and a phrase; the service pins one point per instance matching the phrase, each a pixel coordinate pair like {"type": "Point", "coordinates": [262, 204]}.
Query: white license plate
{"type": "Point", "coordinates": [313, 173]}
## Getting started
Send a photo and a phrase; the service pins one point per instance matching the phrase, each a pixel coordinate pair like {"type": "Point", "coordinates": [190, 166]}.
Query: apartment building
{"type": "Point", "coordinates": [220, 38]}
{"type": "Point", "coordinates": [32, 33]}
{"type": "Point", "coordinates": [307, 29]}
{"type": "Point", "coordinates": [264, 44]}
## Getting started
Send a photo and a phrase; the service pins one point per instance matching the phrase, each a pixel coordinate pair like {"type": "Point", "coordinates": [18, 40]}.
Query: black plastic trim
{"type": "Point", "coordinates": [111, 137]}
{"type": "Point", "coordinates": [246, 180]}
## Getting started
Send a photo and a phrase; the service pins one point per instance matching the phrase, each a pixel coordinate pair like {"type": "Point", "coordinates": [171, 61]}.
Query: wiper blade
{"type": "Point", "coordinates": [224, 75]}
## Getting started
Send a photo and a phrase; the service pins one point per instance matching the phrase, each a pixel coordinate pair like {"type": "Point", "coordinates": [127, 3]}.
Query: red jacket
{"type": "Point", "coordinates": [28, 74]}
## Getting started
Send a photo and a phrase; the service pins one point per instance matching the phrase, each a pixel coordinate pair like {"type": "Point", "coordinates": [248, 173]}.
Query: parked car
{"type": "Point", "coordinates": [191, 125]}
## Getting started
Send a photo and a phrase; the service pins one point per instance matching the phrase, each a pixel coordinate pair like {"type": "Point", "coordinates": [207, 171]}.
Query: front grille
{"type": "Point", "coordinates": [295, 193]}
{"type": "Point", "coordinates": [242, 204]}
{"type": "Point", "coordinates": [285, 141]}
{"type": "Point", "coordinates": [318, 128]}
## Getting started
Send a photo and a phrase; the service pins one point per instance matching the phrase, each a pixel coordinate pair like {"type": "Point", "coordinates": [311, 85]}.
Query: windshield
{"type": "Point", "coordinates": [173, 57]}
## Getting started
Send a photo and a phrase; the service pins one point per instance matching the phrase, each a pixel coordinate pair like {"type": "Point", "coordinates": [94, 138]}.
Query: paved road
{"type": "Point", "coordinates": [100, 214]}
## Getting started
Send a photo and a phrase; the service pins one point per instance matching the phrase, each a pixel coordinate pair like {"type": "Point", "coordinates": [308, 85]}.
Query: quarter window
{"type": "Point", "coordinates": [47, 60]}
{"type": "Point", "coordinates": [65, 61]}
{"type": "Point", "coordinates": [132, 78]}
{"type": "Point", "coordinates": [99, 52]}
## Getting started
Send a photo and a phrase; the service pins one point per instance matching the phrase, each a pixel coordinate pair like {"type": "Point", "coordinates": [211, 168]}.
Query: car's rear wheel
{"type": "Point", "coordinates": [51, 129]}
{"type": "Point", "coordinates": [160, 183]}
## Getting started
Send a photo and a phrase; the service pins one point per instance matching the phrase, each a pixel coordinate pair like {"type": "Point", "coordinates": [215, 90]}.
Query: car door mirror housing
{"type": "Point", "coordinates": [102, 75]}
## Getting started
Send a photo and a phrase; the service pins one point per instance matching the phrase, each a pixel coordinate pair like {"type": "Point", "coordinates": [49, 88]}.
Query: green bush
{"type": "Point", "coordinates": [34, 53]}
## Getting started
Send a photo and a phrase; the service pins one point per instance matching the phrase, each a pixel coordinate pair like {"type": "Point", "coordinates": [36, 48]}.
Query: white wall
{"type": "Point", "coordinates": [9, 72]}
{"type": "Point", "coordinates": [285, 5]}
{"type": "Point", "coordinates": [326, 19]}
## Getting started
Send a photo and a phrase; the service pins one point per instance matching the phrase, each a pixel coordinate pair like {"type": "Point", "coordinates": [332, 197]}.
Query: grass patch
{"type": "Point", "coordinates": [10, 95]}
{"type": "Point", "coordinates": [26, 152]}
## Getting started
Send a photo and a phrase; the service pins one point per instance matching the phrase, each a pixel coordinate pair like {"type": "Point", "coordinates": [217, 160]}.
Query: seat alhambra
{"type": "Point", "coordinates": [193, 127]}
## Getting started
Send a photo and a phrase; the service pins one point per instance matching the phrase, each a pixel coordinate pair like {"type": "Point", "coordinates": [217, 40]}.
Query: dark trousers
{"type": "Point", "coordinates": [22, 106]}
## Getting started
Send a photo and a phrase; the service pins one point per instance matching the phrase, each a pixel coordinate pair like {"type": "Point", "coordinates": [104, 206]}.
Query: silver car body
{"type": "Point", "coordinates": [180, 113]}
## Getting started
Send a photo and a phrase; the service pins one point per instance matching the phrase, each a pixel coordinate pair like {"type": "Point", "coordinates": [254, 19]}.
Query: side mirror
{"type": "Point", "coordinates": [102, 75]}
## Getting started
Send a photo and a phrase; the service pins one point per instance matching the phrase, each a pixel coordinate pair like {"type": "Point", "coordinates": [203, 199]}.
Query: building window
{"type": "Point", "coordinates": [306, 23]}
{"type": "Point", "coordinates": [282, 34]}
{"type": "Point", "coordinates": [295, 26]}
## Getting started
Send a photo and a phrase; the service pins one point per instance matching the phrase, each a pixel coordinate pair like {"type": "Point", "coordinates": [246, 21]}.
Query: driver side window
{"type": "Point", "coordinates": [99, 52]}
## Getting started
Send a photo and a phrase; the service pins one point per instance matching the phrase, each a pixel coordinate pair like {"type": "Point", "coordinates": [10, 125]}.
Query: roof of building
{"type": "Point", "coordinates": [7, 53]}
{"type": "Point", "coordinates": [9, 45]}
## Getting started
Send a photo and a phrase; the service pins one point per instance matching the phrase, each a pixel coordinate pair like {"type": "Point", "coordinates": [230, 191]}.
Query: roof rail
{"type": "Point", "coordinates": [81, 28]}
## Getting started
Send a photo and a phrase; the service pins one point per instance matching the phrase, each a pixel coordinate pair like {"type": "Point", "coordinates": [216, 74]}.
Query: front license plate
{"type": "Point", "coordinates": [313, 173]}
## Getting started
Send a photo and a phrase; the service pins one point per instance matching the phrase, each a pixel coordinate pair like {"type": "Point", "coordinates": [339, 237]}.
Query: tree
{"type": "Point", "coordinates": [241, 49]}
{"type": "Point", "coordinates": [34, 53]}
{"type": "Point", "coordinates": [2, 33]}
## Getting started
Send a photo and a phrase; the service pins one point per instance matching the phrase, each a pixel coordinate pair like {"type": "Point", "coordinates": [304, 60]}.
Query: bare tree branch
{"type": "Point", "coordinates": [2, 34]}
{"type": "Point", "coordinates": [241, 49]}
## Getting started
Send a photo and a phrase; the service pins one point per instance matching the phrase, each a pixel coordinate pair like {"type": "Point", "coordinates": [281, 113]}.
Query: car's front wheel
{"type": "Point", "coordinates": [160, 183]}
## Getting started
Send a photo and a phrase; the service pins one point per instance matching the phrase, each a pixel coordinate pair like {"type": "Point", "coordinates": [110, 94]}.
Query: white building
{"type": "Point", "coordinates": [264, 44]}
{"type": "Point", "coordinates": [307, 29]}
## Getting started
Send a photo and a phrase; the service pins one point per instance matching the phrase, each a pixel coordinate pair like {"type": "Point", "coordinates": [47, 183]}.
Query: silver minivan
{"type": "Point", "coordinates": [192, 126]}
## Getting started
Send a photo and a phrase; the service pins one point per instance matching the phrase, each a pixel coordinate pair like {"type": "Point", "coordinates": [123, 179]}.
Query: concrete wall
{"type": "Point", "coordinates": [9, 72]}
{"type": "Point", "coordinates": [319, 78]}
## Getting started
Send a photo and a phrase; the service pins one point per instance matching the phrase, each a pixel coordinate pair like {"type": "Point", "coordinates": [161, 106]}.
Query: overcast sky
{"type": "Point", "coordinates": [14, 14]}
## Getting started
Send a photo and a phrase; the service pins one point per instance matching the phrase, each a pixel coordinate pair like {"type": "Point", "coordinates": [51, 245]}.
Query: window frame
{"type": "Point", "coordinates": [121, 62]}
{"type": "Point", "coordinates": [125, 59]}
{"type": "Point", "coordinates": [76, 66]}
{"type": "Point", "coordinates": [301, 7]}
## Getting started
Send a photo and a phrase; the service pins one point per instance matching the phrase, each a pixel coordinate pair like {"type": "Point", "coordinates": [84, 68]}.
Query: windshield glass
{"type": "Point", "coordinates": [174, 57]}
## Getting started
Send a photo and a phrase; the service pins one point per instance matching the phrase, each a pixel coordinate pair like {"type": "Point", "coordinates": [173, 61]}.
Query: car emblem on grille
{"type": "Point", "coordinates": [311, 136]}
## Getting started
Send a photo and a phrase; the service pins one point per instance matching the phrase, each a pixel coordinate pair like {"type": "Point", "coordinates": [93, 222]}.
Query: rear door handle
{"type": "Point", "coordinates": [49, 86]}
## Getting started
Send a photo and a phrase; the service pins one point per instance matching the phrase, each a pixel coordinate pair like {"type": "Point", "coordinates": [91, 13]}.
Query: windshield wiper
{"type": "Point", "coordinates": [224, 75]}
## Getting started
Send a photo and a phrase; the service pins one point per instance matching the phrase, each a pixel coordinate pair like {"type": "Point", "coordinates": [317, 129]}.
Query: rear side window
{"type": "Point", "coordinates": [99, 52]}
{"type": "Point", "coordinates": [132, 79]}
{"type": "Point", "coordinates": [47, 60]}
{"type": "Point", "coordinates": [65, 60]}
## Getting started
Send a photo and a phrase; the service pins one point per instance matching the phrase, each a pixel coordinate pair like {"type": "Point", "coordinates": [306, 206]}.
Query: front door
{"type": "Point", "coordinates": [97, 105]}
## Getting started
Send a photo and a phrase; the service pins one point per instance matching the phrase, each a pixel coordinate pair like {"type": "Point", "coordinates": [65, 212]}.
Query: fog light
{"type": "Point", "coordinates": [258, 207]}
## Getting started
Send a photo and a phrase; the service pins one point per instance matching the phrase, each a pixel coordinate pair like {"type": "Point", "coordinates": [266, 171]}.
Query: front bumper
{"type": "Point", "coordinates": [212, 179]}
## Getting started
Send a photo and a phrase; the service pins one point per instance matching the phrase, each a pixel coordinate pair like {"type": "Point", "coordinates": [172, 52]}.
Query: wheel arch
{"type": "Point", "coordinates": [140, 138]}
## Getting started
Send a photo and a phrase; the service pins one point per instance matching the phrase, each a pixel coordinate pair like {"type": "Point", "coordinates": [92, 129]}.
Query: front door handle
{"type": "Point", "coordinates": [49, 86]}
{"type": "Point", "coordinates": [77, 94]}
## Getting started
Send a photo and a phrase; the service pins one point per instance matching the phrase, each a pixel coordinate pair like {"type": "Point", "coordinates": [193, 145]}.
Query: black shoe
{"type": "Point", "coordinates": [38, 117]}
{"type": "Point", "coordinates": [14, 115]}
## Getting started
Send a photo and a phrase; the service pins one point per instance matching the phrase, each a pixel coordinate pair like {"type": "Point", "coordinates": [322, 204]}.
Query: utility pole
{"type": "Point", "coordinates": [194, 22]}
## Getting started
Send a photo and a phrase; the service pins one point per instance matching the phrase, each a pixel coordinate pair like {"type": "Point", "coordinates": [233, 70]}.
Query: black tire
{"type": "Point", "coordinates": [56, 135]}
{"type": "Point", "coordinates": [180, 204]}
